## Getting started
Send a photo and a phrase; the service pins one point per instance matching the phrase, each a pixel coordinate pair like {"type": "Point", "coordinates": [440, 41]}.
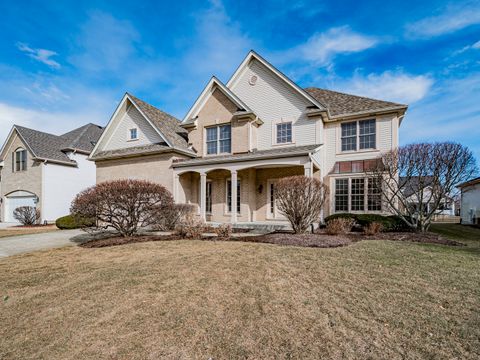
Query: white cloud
{"type": "Point", "coordinates": [322, 48]}
{"type": "Point", "coordinates": [475, 46]}
{"type": "Point", "coordinates": [42, 55]}
{"type": "Point", "coordinates": [394, 86]}
{"type": "Point", "coordinates": [453, 18]}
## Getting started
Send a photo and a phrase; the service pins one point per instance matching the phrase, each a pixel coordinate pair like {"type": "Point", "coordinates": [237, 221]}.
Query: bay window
{"type": "Point", "coordinates": [357, 194]}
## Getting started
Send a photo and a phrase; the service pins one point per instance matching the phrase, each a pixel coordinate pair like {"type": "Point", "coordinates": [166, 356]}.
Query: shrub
{"type": "Point", "coordinates": [173, 215]}
{"type": "Point", "coordinates": [125, 205]}
{"type": "Point", "coordinates": [339, 226]}
{"type": "Point", "coordinates": [26, 215]}
{"type": "Point", "coordinates": [73, 222]}
{"type": "Point", "coordinates": [301, 200]}
{"type": "Point", "coordinates": [190, 229]}
{"type": "Point", "coordinates": [389, 223]}
{"type": "Point", "coordinates": [372, 228]}
{"type": "Point", "coordinates": [397, 224]}
{"type": "Point", "coordinates": [224, 231]}
{"type": "Point", "coordinates": [340, 216]}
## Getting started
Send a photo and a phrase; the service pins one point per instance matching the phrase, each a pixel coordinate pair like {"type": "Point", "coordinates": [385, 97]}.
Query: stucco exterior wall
{"type": "Point", "coordinates": [470, 204]}
{"type": "Point", "coordinates": [155, 168]}
{"type": "Point", "coordinates": [29, 180]}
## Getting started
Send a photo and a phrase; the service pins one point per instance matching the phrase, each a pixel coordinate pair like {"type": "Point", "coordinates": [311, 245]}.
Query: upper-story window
{"type": "Point", "coordinates": [19, 160]}
{"type": "Point", "coordinates": [284, 133]}
{"type": "Point", "coordinates": [359, 135]}
{"type": "Point", "coordinates": [219, 139]}
{"type": "Point", "coordinates": [133, 134]}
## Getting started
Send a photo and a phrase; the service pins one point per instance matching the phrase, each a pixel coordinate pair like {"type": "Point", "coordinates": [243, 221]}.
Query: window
{"type": "Point", "coordinates": [357, 194]}
{"type": "Point", "coordinates": [219, 139]}
{"type": "Point", "coordinates": [229, 196]}
{"type": "Point", "coordinates": [349, 136]}
{"type": "Point", "coordinates": [367, 134]}
{"type": "Point", "coordinates": [341, 194]}
{"type": "Point", "coordinates": [208, 197]}
{"type": "Point", "coordinates": [284, 133]}
{"type": "Point", "coordinates": [272, 198]}
{"type": "Point", "coordinates": [374, 195]}
{"type": "Point", "coordinates": [359, 135]}
{"type": "Point", "coordinates": [19, 160]}
{"type": "Point", "coordinates": [133, 134]}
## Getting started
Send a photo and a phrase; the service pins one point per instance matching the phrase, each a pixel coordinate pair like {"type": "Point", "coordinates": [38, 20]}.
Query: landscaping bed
{"type": "Point", "coordinates": [318, 240]}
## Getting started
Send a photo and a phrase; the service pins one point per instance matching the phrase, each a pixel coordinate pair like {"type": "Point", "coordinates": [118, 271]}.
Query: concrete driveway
{"type": "Point", "coordinates": [27, 243]}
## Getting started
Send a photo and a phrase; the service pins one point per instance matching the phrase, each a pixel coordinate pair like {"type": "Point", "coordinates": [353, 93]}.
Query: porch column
{"type": "Point", "coordinates": [203, 195]}
{"type": "Point", "coordinates": [308, 169]}
{"type": "Point", "coordinates": [176, 185]}
{"type": "Point", "coordinates": [234, 196]}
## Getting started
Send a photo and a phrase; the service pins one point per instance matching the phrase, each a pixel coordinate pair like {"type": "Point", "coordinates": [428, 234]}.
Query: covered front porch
{"type": "Point", "coordinates": [237, 192]}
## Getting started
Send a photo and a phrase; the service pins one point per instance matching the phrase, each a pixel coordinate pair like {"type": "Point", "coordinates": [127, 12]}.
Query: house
{"type": "Point", "coordinates": [414, 187]}
{"type": "Point", "coordinates": [45, 170]}
{"type": "Point", "coordinates": [239, 138]}
{"type": "Point", "coordinates": [470, 201]}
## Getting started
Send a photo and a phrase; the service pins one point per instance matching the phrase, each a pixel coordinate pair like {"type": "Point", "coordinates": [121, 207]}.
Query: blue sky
{"type": "Point", "coordinates": [63, 64]}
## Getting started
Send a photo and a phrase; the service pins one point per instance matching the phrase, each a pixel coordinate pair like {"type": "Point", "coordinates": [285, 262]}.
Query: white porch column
{"type": "Point", "coordinates": [203, 195]}
{"type": "Point", "coordinates": [308, 168]}
{"type": "Point", "coordinates": [234, 196]}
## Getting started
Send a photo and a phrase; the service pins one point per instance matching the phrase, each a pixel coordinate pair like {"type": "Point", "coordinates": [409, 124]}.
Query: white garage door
{"type": "Point", "coordinates": [13, 202]}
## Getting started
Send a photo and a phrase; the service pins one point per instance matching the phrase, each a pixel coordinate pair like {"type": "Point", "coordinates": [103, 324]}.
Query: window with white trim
{"type": "Point", "coordinates": [229, 196]}
{"type": "Point", "coordinates": [19, 160]}
{"type": "Point", "coordinates": [357, 194]}
{"type": "Point", "coordinates": [208, 198]}
{"type": "Point", "coordinates": [358, 135]}
{"type": "Point", "coordinates": [284, 133]}
{"type": "Point", "coordinates": [219, 139]}
{"type": "Point", "coordinates": [133, 134]}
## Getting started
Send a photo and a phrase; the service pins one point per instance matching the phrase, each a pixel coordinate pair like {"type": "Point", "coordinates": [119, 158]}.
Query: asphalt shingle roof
{"type": "Point", "coordinates": [254, 155]}
{"type": "Point", "coordinates": [132, 151]}
{"type": "Point", "coordinates": [49, 147]}
{"type": "Point", "coordinates": [339, 103]}
{"type": "Point", "coordinates": [168, 125]}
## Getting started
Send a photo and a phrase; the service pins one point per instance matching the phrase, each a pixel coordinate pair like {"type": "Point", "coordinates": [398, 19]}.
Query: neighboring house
{"type": "Point", "coordinates": [412, 188]}
{"type": "Point", "coordinates": [470, 201]}
{"type": "Point", "coordinates": [239, 138]}
{"type": "Point", "coordinates": [45, 170]}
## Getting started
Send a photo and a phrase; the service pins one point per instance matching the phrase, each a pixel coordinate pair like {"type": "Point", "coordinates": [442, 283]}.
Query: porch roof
{"type": "Point", "coordinates": [280, 152]}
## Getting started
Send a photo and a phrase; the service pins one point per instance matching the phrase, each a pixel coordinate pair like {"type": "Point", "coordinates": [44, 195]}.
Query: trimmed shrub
{"type": "Point", "coordinates": [224, 231]}
{"type": "Point", "coordinates": [73, 222]}
{"type": "Point", "coordinates": [339, 226]}
{"type": "Point", "coordinates": [340, 216]}
{"type": "Point", "coordinates": [388, 223]}
{"type": "Point", "coordinates": [373, 228]}
{"type": "Point", "coordinates": [190, 229]}
{"type": "Point", "coordinates": [27, 215]}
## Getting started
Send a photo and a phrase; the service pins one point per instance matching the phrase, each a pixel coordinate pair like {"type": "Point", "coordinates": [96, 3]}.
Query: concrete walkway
{"type": "Point", "coordinates": [27, 243]}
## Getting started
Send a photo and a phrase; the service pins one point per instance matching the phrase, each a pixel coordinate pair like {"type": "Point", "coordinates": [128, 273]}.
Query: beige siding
{"type": "Point", "coordinates": [273, 100]}
{"type": "Point", "coordinates": [154, 168]}
{"type": "Point", "coordinates": [119, 137]}
{"type": "Point", "coordinates": [29, 180]}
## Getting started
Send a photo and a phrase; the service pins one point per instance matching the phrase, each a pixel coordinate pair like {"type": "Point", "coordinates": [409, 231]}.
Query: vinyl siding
{"type": "Point", "coordinates": [132, 119]}
{"type": "Point", "coordinates": [273, 100]}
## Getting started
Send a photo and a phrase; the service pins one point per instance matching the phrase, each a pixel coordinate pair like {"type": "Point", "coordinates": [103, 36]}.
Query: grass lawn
{"type": "Point", "coordinates": [15, 231]}
{"type": "Point", "coordinates": [227, 300]}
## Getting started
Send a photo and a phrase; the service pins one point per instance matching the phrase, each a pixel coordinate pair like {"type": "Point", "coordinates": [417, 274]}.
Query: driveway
{"type": "Point", "coordinates": [27, 243]}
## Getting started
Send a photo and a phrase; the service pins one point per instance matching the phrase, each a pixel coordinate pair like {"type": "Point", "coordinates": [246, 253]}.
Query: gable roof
{"type": "Point", "coordinates": [469, 183]}
{"type": "Point", "coordinates": [213, 84]}
{"type": "Point", "coordinates": [253, 55]}
{"type": "Point", "coordinates": [341, 104]}
{"type": "Point", "coordinates": [50, 147]}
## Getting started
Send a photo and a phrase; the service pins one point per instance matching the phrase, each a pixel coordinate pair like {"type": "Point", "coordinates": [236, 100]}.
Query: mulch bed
{"type": "Point", "coordinates": [319, 240]}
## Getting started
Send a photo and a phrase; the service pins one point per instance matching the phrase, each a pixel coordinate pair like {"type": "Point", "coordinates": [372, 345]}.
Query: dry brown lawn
{"type": "Point", "coordinates": [229, 300]}
{"type": "Point", "coordinates": [14, 231]}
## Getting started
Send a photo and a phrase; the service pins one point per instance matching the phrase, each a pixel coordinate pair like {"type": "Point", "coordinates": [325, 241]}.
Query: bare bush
{"type": "Point", "coordinates": [301, 200]}
{"type": "Point", "coordinates": [191, 228]}
{"type": "Point", "coordinates": [435, 168]}
{"type": "Point", "coordinates": [339, 226]}
{"type": "Point", "coordinates": [224, 231]}
{"type": "Point", "coordinates": [169, 217]}
{"type": "Point", "coordinates": [125, 205]}
{"type": "Point", "coordinates": [372, 228]}
{"type": "Point", "coordinates": [27, 215]}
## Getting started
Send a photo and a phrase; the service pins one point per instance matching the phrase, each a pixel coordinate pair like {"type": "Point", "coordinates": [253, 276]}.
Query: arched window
{"type": "Point", "coordinates": [19, 160]}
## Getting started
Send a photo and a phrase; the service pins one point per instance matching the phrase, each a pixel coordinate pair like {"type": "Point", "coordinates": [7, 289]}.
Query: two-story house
{"type": "Point", "coordinates": [45, 171]}
{"type": "Point", "coordinates": [239, 138]}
